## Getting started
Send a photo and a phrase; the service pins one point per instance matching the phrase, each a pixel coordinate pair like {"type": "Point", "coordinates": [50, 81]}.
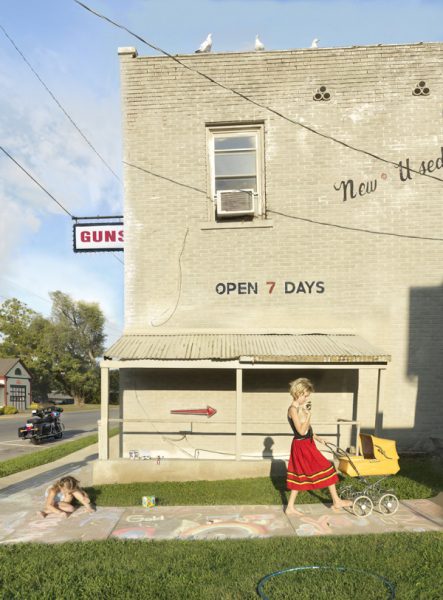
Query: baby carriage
{"type": "Point", "coordinates": [378, 457]}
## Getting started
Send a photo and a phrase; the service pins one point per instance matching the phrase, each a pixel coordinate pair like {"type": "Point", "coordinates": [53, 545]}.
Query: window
{"type": "Point", "coordinates": [236, 166]}
{"type": "Point", "coordinates": [17, 396]}
{"type": "Point", "coordinates": [18, 371]}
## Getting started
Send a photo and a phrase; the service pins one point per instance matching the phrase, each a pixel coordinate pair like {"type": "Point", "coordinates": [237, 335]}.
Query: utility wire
{"type": "Point", "coordinates": [36, 182]}
{"type": "Point", "coordinates": [371, 231]}
{"type": "Point", "coordinates": [295, 217]}
{"type": "Point", "coordinates": [45, 190]}
{"type": "Point", "coordinates": [157, 322]}
{"type": "Point", "coordinates": [279, 114]}
{"type": "Point", "coordinates": [248, 99]}
{"type": "Point", "coordinates": [59, 104]}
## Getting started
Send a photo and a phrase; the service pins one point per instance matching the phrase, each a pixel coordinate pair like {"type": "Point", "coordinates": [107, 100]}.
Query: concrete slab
{"type": "Point", "coordinates": [202, 522]}
{"type": "Point", "coordinates": [320, 520]}
{"type": "Point", "coordinates": [430, 509]}
{"type": "Point", "coordinates": [210, 522]}
{"type": "Point", "coordinates": [21, 495]}
{"type": "Point", "coordinates": [26, 526]}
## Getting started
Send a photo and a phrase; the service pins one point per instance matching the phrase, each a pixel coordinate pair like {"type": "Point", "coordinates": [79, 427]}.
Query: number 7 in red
{"type": "Point", "coordinates": [271, 286]}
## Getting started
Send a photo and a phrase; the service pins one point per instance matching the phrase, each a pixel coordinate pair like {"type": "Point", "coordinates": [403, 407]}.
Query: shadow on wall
{"type": "Point", "coordinates": [425, 362]}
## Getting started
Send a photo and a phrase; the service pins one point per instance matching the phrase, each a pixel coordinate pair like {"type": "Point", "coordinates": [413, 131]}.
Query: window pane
{"type": "Point", "coordinates": [235, 163]}
{"type": "Point", "coordinates": [237, 183]}
{"type": "Point", "coordinates": [234, 143]}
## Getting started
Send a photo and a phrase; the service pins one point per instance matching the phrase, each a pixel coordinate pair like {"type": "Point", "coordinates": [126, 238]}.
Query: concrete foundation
{"type": "Point", "coordinates": [130, 471]}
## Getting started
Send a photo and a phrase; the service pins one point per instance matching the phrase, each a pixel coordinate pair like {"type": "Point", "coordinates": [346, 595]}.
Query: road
{"type": "Point", "coordinates": [77, 424]}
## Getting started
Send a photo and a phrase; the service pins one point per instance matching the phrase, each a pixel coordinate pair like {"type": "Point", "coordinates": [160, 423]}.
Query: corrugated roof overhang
{"type": "Point", "coordinates": [259, 347]}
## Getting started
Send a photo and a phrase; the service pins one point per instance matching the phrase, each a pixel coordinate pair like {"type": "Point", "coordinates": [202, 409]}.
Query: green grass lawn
{"type": "Point", "coordinates": [419, 477]}
{"type": "Point", "coordinates": [231, 569]}
{"type": "Point", "coordinates": [224, 570]}
{"type": "Point", "coordinates": [42, 457]}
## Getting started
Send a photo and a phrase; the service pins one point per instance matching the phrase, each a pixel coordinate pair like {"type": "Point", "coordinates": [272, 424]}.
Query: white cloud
{"type": "Point", "coordinates": [35, 238]}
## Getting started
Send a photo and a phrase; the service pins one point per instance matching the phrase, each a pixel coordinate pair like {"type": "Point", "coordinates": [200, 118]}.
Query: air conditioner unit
{"type": "Point", "coordinates": [232, 203]}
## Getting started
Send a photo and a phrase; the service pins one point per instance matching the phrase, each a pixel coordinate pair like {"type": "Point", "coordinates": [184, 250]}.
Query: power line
{"type": "Point", "coordinates": [59, 104]}
{"type": "Point", "coordinates": [248, 99]}
{"type": "Point", "coordinates": [36, 182]}
{"type": "Point", "coordinates": [371, 231]}
{"type": "Point", "coordinates": [269, 210]}
{"type": "Point", "coordinates": [157, 322]}
{"type": "Point", "coordinates": [46, 191]}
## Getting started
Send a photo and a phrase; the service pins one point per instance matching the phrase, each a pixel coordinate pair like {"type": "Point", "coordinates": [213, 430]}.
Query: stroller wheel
{"type": "Point", "coordinates": [388, 504]}
{"type": "Point", "coordinates": [362, 506]}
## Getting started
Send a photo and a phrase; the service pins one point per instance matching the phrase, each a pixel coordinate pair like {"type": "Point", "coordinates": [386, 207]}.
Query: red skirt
{"type": "Point", "coordinates": [308, 469]}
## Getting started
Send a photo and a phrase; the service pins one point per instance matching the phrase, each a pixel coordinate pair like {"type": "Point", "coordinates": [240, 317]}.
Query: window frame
{"type": "Point", "coordinates": [234, 130]}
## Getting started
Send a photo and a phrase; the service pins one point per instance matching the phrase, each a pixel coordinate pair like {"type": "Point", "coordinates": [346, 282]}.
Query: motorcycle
{"type": "Point", "coordinates": [45, 423]}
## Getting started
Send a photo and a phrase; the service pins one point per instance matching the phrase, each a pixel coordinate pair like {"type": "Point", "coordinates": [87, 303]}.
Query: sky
{"type": "Point", "coordinates": [75, 54]}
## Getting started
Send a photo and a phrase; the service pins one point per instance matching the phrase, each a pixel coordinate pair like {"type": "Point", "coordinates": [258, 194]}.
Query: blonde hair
{"type": "Point", "coordinates": [69, 483]}
{"type": "Point", "coordinates": [299, 386]}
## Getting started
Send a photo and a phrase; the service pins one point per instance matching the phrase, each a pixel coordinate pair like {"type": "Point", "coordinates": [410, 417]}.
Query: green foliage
{"type": "Point", "coordinates": [25, 335]}
{"type": "Point", "coordinates": [10, 410]}
{"type": "Point", "coordinates": [77, 342]}
{"type": "Point", "coordinates": [224, 570]}
{"type": "Point", "coordinates": [2, 408]}
{"type": "Point", "coordinates": [61, 352]}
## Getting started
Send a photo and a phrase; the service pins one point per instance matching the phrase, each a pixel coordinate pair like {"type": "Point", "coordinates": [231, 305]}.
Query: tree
{"type": "Point", "coordinates": [61, 352]}
{"type": "Point", "coordinates": [26, 335]}
{"type": "Point", "coordinates": [77, 342]}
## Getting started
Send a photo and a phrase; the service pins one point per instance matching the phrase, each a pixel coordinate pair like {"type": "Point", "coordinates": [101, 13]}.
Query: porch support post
{"type": "Point", "coordinates": [238, 414]}
{"type": "Point", "coordinates": [378, 425]}
{"type": "Point", "coordinates": [103, 430]}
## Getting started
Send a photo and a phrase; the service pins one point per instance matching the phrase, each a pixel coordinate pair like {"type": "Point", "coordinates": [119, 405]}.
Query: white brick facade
{"type": "Point", "coordinates": [386, 288]}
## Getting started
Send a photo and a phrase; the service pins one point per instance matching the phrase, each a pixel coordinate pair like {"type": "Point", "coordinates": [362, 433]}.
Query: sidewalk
{"type": "Point", "coordinates": [22, 494]}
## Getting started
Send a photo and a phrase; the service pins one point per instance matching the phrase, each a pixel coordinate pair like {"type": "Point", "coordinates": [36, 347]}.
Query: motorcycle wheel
{"type": "Point", "coordinates": [59, 435]}
{"type": "Point", "coordinates": [36, 441]}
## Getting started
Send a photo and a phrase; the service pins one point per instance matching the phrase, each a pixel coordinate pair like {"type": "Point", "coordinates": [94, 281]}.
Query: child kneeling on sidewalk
{"type": "Point", "coordinates": [60, 496]}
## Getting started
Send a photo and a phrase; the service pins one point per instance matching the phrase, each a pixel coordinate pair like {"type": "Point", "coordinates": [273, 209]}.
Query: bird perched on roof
{"type": "Point", "coordinates": [258, 43]}
{"type": "Point", "coordinates": [315, 43]}
{"type": "Point", "coordinates": [206, 45]}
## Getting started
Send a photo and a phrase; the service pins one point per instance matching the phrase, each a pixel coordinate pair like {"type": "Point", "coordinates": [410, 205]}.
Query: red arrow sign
{"type": "Point", "coordinates": [208, 411]}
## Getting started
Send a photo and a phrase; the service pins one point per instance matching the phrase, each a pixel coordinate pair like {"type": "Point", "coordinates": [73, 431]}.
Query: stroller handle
{"type": "Point", "coordinates": [339, 453]}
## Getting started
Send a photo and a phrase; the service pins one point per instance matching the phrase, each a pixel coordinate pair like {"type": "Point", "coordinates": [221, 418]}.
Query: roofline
{"type": "Point", "coordinates": [219, 331]}
{"type": "Point", "coordinates": [186, 363]}
{"type": "Point", "coordinates": [17, 360]}
{"type": "Point", "coordinates": [132, 51]}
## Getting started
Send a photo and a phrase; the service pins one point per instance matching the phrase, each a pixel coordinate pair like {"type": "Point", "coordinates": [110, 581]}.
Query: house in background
{"type": "Point", "coordinates": [15, 384]}
{"type": "Point", "coordinates": [59, 398]}
{"type": "Point", "coordinates": [282, 219]}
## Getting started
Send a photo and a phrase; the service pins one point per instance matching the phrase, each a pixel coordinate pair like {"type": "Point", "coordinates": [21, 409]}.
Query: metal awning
{"type": "Point", "coordinates": [256, 347]}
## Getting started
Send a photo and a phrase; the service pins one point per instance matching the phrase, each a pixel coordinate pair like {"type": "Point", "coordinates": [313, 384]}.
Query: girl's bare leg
{"type": "Point", "coordinates": [84, 499]}
{"type": "Point", "coordinates": [337, 502]}
{"type": "Point", "coordinates": [62, 508]}
{"type": "Point", "coordinates": [290, 509]}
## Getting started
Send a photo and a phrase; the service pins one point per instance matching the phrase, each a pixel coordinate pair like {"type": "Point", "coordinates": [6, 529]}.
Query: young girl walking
{"type": "Point", "coordinates": [308, 469]}
{"type": "Point", "coordinates": [60, 496]}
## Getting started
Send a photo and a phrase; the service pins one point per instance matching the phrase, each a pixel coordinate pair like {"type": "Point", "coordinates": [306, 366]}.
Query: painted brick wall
{"type": "Point", "coordinates": [150, 395]}
{"type": "Point", "coordinates": [387, 288]}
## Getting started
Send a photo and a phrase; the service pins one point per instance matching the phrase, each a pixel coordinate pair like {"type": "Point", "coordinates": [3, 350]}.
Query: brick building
{"type": "Point", "coordinates": [284, 221]}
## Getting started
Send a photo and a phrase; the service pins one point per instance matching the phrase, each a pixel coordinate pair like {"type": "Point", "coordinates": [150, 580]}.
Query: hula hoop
{"type": "Point", "coordinates": [390, 586]}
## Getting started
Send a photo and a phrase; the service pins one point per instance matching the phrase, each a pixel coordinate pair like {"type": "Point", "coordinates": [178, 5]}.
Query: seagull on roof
{"type": "Point", "coordinates": [315, 43]}
{"type": "Point", "coordinates": [206, 45]}
{"type": "Point", "coordinates": [258, 43]}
